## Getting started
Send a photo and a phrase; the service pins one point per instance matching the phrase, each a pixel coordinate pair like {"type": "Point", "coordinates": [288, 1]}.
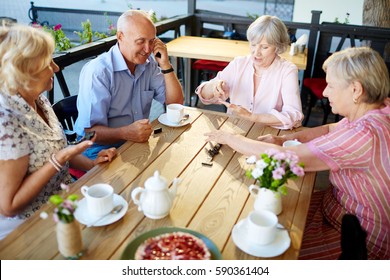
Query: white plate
{"type": "Point", "coordinates": [81, 214]}
{"type": "Point", "coordinates": [279, 246]}
{"type": "Point", "coordinates": [163, 119]}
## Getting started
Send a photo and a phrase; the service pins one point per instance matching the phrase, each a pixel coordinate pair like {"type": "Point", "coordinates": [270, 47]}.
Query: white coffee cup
{"type": "Point", "coordinates": [100, 199]}
{"type": "Point", "coordinates": [175, 113]}
{"type": "Point", "coordinates": [261, 227]}
{"type": "Point", "coordinates": [290, 143]}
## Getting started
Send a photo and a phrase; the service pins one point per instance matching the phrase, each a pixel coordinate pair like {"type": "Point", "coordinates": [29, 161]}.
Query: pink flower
{"type": "Point", "coordinates": [280, 156]}
{"type": "Point", "coordinates": [298, 170]}
{"type": "Point", "coordinates": [271, 152]}
{"type": "Point", "coordinates": [36, 25]}
{"type": "Point", "coordinates": [278, 173]}
{"type": "Point", "coordinates": [57, 27]}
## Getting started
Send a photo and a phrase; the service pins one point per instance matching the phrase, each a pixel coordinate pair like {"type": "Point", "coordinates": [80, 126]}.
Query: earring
{"type": "Point", "coordinates": [355, 100]}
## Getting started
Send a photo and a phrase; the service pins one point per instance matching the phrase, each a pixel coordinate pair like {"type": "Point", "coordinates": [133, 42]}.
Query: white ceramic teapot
{"type": "Point", "coordinates": [155, 200]}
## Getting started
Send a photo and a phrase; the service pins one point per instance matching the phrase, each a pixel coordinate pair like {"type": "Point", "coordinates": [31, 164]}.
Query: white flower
{"type": "Point", "coordinates": [251, 160]}
{"type": "Point", "coordinates": [257, 172]}
{"type": "Point", "coordinates": [44, 215]}
{"type": "Point", "coordinates": [66, 212]}
{"type": "Point", "coordinates": [261, 164]}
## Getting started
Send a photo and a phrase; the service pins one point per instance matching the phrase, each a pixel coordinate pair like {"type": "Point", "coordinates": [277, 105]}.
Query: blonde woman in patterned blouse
{"type": "Point", "coordinates": [34, 157]}
{"type": "Point", "coordinates": [356, 151]}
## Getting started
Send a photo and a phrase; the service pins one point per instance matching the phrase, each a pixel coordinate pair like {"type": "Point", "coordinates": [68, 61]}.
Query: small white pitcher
{"type": "Point", "coordinates": [266, 199]}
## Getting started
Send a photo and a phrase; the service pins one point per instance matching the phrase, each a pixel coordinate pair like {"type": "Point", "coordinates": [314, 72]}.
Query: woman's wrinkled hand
{"type": "Point", "coordinates": [105, 155]}
{"type": "Point", "coordinates": [239, 111]}
{"type": "Point", "coordinates": [273, 139]}
{"type": "Point", "coordinates": [220, 90]}
{"type": "Point", "coordinates": [218, 136]}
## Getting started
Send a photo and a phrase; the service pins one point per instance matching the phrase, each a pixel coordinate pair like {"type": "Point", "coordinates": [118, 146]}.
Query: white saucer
{"type": "Point", "coordinates": [81, 214]}
{"type": "Point", "coordinates": [279, 246]}
{"type": "Point", "coordinates": [163, 119]}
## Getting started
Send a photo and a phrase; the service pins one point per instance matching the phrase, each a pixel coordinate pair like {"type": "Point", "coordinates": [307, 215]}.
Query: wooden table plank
{"type": "Point", "coordinates": [210, 200]}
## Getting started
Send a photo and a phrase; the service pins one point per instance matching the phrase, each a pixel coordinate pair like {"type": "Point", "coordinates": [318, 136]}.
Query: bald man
{"type": "Point", "coordinates": [116, 89]}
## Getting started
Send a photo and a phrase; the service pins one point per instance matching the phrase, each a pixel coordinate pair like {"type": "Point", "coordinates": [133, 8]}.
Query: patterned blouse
{"type": "Point", "coordinates": [358, 156]}
{"type": "Point", "coordinates": [23, 132]}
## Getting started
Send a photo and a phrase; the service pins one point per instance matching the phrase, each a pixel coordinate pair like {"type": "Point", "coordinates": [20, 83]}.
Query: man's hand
{"type": "Point", "coordinates": [105, 155]}
{"type": "Point", "coordinates": [162, 57]}
{"type": "Point", "coordinates": [138, 131]}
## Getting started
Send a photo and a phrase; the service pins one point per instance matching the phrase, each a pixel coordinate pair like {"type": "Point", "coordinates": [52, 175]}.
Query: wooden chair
{"type": "Point", "coordinates": [66, 111]}
{"type": "Point", "coordinates": [353, 239]}
{"type": "Point", "coordinates": [207, 70]}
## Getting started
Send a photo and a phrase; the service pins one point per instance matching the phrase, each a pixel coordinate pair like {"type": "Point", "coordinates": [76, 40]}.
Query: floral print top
{"type": "Point", "coordinates": [23, 132]}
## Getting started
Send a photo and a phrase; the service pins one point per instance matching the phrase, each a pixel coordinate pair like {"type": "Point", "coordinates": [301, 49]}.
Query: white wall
{"type": "Point", "coordinates": [330, 10]}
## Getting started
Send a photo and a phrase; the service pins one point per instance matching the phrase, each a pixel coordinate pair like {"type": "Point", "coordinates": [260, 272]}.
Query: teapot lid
{"type": "Point", "coordinates": [156, 182]}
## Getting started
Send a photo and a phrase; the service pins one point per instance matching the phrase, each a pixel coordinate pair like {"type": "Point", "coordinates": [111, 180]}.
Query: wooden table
{"type": "Point", "coordinates": [209, 200]}
{"type": "Point", "coordinates": [191, 47]}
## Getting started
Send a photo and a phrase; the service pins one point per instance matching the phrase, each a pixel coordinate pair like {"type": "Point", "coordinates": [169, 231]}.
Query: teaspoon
{"type": "Point", "coordinates": [185, 117]}
{"type": "Point", "coordinates": [114, 210]}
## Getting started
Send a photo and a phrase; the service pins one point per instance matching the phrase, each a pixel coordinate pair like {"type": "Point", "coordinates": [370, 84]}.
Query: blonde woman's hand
{"type": "Point", "coordinates": [71, 151]}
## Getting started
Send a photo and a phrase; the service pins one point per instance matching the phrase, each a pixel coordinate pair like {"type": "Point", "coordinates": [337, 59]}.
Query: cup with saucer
{"type": "Point", "coordinates": [259, 235]}
{"type": "Point", "coordinates": [96, 206]}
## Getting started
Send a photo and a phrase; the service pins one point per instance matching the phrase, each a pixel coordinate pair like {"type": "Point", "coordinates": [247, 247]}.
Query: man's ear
{"type": "Point", "coordinates": [119, 35]}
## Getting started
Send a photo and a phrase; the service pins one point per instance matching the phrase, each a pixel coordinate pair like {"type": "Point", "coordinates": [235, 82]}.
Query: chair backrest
{"type": "Point", "coordinates": [66, 111]}
{"type": "Point", "coordinates": [335, 37]}
{"type": "Point", "coordinates": [353, 239]}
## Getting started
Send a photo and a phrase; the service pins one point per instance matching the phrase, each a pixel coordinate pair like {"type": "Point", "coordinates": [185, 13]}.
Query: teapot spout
{"type": "Point", "coordinates": [173, 189]}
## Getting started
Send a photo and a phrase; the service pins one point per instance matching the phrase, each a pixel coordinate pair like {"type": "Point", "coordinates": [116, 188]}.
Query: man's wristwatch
{"type": "Point", "coordinates": [167, 71]}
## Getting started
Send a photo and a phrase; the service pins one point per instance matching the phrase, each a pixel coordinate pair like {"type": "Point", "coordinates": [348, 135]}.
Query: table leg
{"type": "Point", "coordinates": [187, 82]}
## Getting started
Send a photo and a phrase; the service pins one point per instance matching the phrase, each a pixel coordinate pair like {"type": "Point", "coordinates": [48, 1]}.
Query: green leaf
{"type": "Point", "coordinates": [73, 197]}
{"type": "Point", "coordinates": [56, 199]}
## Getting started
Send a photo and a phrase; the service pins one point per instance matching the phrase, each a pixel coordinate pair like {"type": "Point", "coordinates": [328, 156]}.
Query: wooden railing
{"type": "Point", "coordinates": [196, 24]}
{"type": "Point", "coordinates": [79, 53]}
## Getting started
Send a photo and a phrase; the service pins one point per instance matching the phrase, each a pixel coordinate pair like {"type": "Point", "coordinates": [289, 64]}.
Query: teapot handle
{"type": "Point", "coordinates": [254, 190]}
{"type": "Point", "coordinates": [137, 191]}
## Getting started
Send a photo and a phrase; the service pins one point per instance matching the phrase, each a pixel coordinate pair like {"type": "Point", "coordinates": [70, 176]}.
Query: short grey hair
{"type": "Point", "coordinates": [272, 29]}
{"type": "Point", "coordinates": [123, 20]}
{"type": "Point", "coordinates": [364, 65]}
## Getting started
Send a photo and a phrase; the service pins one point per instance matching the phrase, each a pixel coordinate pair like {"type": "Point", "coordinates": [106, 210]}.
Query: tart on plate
{"type": "Point", "coordinates": [173, 246]}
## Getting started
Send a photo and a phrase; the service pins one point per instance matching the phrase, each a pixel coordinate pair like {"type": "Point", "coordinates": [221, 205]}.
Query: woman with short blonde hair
{"type": "Point", "coordinates": [356, 151]}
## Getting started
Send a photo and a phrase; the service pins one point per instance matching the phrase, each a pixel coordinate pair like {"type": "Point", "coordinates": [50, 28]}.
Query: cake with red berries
{"type": "Point", "coordinates": [173, 246]}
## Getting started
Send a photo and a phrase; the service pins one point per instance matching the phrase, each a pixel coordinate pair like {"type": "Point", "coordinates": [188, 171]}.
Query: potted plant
{"type": "Point", "coordinates": [271, 172]}
{"type": "Point", "coordinates": [68, 230]}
